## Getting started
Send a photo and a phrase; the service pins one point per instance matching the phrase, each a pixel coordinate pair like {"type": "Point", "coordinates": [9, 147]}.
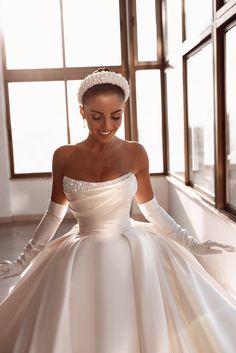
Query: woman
{"type": "Point", "coordinates": [112, 285]}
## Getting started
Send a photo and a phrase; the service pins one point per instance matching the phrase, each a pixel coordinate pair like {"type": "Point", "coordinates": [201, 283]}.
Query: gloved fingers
{"type": "Point", "coordinates": [4, 269]}
{"type": "Point", "coordinates": [227, 247]}
{"type": "Point", "coordinates": [224, 246]}
{"type": "Point", "coordinates": [213, 251]}
{"type": "Point", "coordinates": [210, 243]}
{"type": "Point", "coordinates": [6, 262]}
{"type": "Point", "coordinates": [9, 269]}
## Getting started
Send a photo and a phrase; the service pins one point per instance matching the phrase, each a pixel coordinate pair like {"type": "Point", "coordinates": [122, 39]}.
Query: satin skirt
{"type": "Point", "coordinates": [129, 292]}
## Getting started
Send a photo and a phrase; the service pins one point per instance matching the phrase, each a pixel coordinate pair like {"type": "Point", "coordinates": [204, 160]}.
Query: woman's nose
{"type": "Point", "coordinates": [107, 124]}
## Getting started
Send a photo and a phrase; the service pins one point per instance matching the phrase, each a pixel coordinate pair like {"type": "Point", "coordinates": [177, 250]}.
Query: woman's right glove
{"type": "Point", "coordinates": [41, 237]}
{"type": "Point", "coordinates": [156, 215]}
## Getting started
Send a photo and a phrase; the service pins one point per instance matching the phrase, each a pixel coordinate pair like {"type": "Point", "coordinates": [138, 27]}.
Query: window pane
{"type": "Point", "coordinates": [32, 33]}
{"type": "Point", "coordinates": [201, 119]}
{"type": "Point", "coordinates": [38, 121]}
{"type": "Point", "coordinates": [146, 30]}
{"type": "Point", "coordinates": [175, 120]}
{"type": "Point", "coordinates": [231, 116]}
{"type": "Point", "coordinates": [198, 14]}
{"type": "Point", "coordinates": [175, 84]}
{"type": "Point", "coordinates": [92, 32]}
{"type": "Point", "coordinates": [149, 116]}
{"type": "Point", "coordinates": [77, 130]}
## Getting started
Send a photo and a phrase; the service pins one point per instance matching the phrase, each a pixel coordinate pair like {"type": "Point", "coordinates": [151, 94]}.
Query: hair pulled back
{"type": "Point", "coordinates": [104, 88]}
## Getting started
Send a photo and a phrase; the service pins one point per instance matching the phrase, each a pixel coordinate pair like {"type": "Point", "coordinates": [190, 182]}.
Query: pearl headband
{"type": "Point", "coordinates": [101, 77]}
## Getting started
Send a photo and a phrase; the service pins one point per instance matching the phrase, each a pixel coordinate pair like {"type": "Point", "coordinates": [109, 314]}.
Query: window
{"type": "Point", "coordinates": [201, 118]}
{"type": "Point", "coordinates": [38, 120]}
{"type": "Point", "coordinates": [92, 32]}
{"type": "Point", "coordinates": [44, 66]}
{"type": "Point", "coordinates": [149, 116]}
{"type": "Point", "coordinates": [28, 44]}
{"type": "Point", "coordinates": [181, 81]}
{"type": "Point", "coordinates": [198, 14]}
{"type": "Point", "coordinates": [147, 49]}
{"type": "Point", "coordinates": [230, 73]}
{"type": "Point", "coordinates": [146, 69]}
{"type": "Point", "coordinates": [201, 70]}
{"type": "Point", "coordinates": [77, 130]}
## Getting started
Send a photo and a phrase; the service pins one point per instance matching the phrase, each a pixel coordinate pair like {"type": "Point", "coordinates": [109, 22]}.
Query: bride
{"type": "Point", "coordinates": [112, 284]}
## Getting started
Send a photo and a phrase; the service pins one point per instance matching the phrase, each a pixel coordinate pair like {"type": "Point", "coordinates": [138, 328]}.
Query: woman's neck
{"type": "Point", "coordinates": [98, 146]}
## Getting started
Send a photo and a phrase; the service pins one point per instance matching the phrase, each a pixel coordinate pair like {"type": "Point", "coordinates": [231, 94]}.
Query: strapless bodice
{"type": "Point", "coordinates": [101, 208]}
{"type": "Point", "coordinates": [74, 185]}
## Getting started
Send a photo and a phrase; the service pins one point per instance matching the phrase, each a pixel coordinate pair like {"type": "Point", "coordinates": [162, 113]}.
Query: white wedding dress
{"type": "Point", "coordinates": [114, 285]}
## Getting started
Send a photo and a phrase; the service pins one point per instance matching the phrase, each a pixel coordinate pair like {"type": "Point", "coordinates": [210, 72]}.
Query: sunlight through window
{"type": "Point", "coordinates": [146, 30]}
{"type": "Point", "coordinates": [149, 116]}
{"type": "Point", "coordinates": [92, 39]}
{"type": "Point", "coordinates": [38, 122]}
{"type": "Point", "coordinates": [29, 44]}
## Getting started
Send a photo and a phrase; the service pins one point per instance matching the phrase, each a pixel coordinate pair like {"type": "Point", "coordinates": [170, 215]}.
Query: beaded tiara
{"type": "Point", "coordinates": [101, 77]}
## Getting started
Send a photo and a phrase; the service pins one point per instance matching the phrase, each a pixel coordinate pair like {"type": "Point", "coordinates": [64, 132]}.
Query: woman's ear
{"type": "Point", "coordinates": [81, 109]}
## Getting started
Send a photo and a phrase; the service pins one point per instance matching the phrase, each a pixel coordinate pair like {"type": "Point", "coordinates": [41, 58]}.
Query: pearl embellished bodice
{"type": "Point", "coordinates": [73, 185]}
{"type": "Point", "coordinates": [101, 208]}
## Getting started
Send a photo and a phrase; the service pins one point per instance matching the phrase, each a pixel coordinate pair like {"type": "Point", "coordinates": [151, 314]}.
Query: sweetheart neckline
{"type": "Point", "coordinates": [98, 182]}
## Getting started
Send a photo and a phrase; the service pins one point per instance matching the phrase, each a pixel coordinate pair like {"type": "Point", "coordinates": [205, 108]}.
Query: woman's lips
{"type": "Point", "coordinates": [105, 132]}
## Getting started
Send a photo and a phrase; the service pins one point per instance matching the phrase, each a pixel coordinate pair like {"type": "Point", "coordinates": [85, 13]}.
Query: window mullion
{"type": "Point", "coordinates": [161, 58]}
{"type": "Point", "coordinates": [62, 35]}
{"type": "Point", "coordinates": [186, 124]}
{"type": "Point", "coordinates": [218, 67]}
{"type": "Point", "coordinates": [132, 58]}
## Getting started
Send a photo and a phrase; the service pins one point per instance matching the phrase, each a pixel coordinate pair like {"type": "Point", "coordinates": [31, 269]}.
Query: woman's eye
{"type": "Point", "coordinates": [116, 117]}
{"type": "Point", "coordinates": [96, 117]}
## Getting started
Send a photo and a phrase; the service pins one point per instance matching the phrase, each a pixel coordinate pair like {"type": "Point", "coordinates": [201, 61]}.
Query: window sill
{"type": "Point", "coordinates": [198, 198]}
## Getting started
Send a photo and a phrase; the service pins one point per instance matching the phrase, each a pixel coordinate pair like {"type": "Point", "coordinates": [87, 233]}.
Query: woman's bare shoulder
{"type": "Point", "coordinates": [136, 148]}
{"type": "Point", "coordinates": [62, 155]}
{"type": "Point", "coordinates": [65, 150]}
{"type": "Point", "coordinates": [137, 154]}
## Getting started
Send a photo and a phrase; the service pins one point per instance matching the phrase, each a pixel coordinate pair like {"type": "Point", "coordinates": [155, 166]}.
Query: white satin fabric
{"type": "Point", "coordinates": [113, 285]}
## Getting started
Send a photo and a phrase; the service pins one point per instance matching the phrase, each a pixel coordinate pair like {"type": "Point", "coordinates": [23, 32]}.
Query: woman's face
{"type": "Point", "coordinates": [103, 114]}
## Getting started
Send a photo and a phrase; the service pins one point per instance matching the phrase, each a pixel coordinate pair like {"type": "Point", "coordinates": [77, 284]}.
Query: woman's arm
{"type": "Point", "coordinates": [156, 215]}
{"type": "Point", "coordinates": [58, 161]}
{"type": "Point", "coordinates": [47, 227]}
{"type": "Point", "coordinates": [144, 192]}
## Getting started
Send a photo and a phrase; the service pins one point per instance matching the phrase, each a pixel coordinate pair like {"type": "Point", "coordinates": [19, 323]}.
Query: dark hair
{"type": "Point", "coordinates": [102, 88]}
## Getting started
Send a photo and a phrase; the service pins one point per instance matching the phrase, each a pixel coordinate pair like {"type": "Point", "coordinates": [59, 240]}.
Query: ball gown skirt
{"type": "Point", "coordinates": [115, 285]}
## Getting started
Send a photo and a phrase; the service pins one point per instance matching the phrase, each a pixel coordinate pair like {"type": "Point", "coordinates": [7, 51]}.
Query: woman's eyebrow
{"type": "Point", "coordinates": [96, 111]}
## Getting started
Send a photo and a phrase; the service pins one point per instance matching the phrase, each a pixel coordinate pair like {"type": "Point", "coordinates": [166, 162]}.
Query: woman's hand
{"type": "Point", "coordinates": [10, 269]}
{"type": "Point", "coordinates": [209, 247]}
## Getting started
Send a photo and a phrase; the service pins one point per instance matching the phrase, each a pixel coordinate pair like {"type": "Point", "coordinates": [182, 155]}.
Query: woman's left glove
{"type": "Point", "coordinates": [41, 237]}
{"type": "Point", "coordinates": [156, 215]}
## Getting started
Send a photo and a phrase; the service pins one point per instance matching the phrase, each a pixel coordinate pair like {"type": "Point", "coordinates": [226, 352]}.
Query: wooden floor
{"type": "Point", "coordinates": [13, 238]}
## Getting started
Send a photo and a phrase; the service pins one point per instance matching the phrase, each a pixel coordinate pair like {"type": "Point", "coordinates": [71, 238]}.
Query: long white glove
{"type": "Point", "coordinates": [156, 215]}
{"type": "Point", "coordinates": [41, 237]}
